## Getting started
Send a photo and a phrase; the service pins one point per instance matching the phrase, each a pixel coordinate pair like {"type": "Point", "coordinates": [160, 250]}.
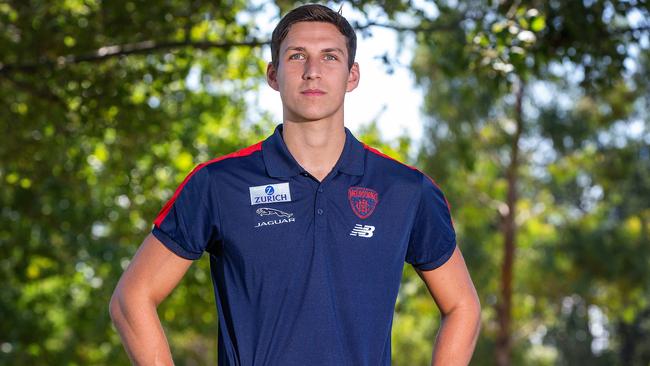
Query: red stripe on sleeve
{"type": "Point", "coordinates": [240, 153]}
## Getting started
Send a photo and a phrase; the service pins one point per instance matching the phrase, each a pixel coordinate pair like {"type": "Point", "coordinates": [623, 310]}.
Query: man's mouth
{"type": "Point", "coordinates": [312, 92]}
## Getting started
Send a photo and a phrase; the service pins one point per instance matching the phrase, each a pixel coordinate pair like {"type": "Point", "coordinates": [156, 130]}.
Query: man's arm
{"type": "Point", "coordinates": [152, 274]}
{"type": "Point", "coordinates": [453, 291]}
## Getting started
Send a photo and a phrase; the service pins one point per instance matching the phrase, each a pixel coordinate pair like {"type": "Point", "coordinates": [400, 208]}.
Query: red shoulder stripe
{"type": "Point", "coordinates": [240, 153]}
{"type": "Point", "coordinates": [372, 149]}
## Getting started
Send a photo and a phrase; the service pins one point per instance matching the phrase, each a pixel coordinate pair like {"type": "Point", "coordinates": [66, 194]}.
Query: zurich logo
{"type": "Point", "coordinates": [270, 193]}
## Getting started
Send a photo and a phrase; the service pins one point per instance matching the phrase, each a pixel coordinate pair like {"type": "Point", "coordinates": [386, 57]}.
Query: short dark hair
{"type": "Point", "coordinates": [312, 13]}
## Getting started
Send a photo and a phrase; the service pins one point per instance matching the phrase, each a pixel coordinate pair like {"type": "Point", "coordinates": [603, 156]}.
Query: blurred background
{"type": "Point", "coordinates": [531, 115]}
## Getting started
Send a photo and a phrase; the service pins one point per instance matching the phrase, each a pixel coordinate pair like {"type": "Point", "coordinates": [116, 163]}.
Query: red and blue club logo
{"type": "Point", "coordinates": [363, 201]}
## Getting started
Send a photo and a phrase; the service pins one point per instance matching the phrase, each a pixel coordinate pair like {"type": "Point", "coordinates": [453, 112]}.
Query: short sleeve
{"type": "Point", "coordinates": [186, 223]}
{"type": "Point", "coordinates": [433, 239]}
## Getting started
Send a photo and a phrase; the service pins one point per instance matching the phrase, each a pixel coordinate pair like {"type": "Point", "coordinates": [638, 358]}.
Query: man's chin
{"type": "Point", "coordinates": [306, 118]}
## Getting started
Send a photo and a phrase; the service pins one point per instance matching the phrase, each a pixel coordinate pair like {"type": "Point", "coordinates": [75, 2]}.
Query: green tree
{"type": "Point", "coordinates": [106, 106]}
{"type": "Point", "coordinates": [100, 123]}
{"type": "Point", "coordinates": [490, 130]}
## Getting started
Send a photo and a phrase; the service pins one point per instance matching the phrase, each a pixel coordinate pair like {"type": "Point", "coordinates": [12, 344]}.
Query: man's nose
{"type": "Point", "coordinates": [312, 69]}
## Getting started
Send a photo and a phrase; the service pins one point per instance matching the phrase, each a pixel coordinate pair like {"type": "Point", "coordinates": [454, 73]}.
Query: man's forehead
{"type": "Point", "coordinates": [314, 35]}
{"type": "Point", "coordinates": [308, 48]}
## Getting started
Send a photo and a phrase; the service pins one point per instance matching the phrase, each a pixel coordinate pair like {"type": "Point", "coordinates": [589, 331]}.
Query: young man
{"type": "Point", "coordinates": [307, 231]}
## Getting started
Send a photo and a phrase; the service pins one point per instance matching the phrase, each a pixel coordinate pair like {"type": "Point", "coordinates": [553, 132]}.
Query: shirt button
{"type": "Point", "coordinates": [320, 190]}
{"type": "Point", "coordinates": [320, 211]}
{"type": "Point", "coordinates": [305, 174]}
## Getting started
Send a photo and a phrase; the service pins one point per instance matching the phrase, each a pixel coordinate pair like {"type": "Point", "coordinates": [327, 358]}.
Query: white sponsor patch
{"type": "Point", "coordinates": [270, 193]}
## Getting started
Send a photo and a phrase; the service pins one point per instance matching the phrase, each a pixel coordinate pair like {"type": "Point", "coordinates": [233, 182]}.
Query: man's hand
{"type": "Point", "coordinates": [453, 291]}
{"type": "Point", "coordinates": [152, 274]}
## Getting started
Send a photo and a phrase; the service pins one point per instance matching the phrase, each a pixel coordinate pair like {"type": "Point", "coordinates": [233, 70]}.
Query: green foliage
{"type": "Point", "coordinates": [582, 212]}
{"type": "Point", "coordinates": [90, 152]}
{"type": "Point", "coordinates": [106, 106]}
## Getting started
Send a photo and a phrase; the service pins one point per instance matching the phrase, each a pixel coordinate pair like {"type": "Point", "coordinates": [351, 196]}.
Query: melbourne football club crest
{"type": "Point", "coordinates": [363, 201]}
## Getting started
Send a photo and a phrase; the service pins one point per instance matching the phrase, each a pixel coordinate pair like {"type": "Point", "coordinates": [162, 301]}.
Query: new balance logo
{"type": "Point", "coordinates": [364, 231]}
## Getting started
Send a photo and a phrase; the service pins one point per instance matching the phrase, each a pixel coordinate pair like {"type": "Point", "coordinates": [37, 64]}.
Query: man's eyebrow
{"type": "Point", "coordinates": [334, 49]}
{"type": "Point", "coordinates": [330, 49]}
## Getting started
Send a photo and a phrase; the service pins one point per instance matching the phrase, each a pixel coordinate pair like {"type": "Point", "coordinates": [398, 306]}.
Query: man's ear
{"type": "Point", "coordinates": [353, 77]}
{"type": "Point", "coordinates": [272, 76]}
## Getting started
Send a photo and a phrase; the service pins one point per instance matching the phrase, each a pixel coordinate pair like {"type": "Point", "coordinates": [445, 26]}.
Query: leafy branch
{"type": "Point", "coordinates": [107, 52]}
{"type": "Point", "coordinates": [150, 46]}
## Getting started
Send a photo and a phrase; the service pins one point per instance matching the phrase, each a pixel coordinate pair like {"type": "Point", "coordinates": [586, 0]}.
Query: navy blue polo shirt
{"type": "Point", "coordinates": [307, 272]}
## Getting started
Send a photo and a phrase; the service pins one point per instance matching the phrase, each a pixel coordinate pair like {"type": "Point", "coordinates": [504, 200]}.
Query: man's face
{"type": "Point", "coordinates": [312, 75]}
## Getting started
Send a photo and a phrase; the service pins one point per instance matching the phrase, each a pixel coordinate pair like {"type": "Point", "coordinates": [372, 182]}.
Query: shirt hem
{"type": "Point", "coordinates": [172, 245]}
{"type": "Point", "coordinates": [427, 266]}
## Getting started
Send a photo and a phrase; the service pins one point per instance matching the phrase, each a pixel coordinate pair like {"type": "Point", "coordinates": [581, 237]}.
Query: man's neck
{"type": "Point", "coordinates": [316, 145]}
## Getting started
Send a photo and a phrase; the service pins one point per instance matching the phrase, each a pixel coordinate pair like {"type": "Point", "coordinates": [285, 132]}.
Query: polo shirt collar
{"type": "Point", "coordinates": [280, 163]}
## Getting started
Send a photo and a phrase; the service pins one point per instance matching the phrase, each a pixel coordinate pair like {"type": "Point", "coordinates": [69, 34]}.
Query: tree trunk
{"type": "Point", "coordinates": [509, 231]}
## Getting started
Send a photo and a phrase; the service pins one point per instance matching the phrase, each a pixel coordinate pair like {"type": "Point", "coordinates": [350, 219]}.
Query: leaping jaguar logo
{"type": "Point", "coordinates": [265, 211]}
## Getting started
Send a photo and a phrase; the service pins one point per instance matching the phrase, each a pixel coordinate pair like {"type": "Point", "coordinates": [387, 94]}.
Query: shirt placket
{"type": "Point", "coordinates": [320, 207]}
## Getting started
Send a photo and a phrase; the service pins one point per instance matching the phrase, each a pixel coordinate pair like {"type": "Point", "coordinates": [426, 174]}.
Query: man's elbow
{"type": "Point", "coordinates": [477, 314]}
{"type": "Point", "coordinates": [115, 308]}
{"type": "Point", "coordinates": [468, 310]}
{"type": "Point", "coordinates": [471, 311]}
{"type": "Point", "coordinates": [128, 303]}
{"type": "Point", "coordinates": [476, 307]}
{"type": "Point", "coordinates": [121, 306]}
{"type": "Point", "coordinates": [472, 307]}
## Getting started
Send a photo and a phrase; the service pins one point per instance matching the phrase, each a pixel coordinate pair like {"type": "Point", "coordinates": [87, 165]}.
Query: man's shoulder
{"type": "Point", "coordinates": [388, 165]}
{"type": "Point", "coordinates": [236, 159]}
{"type": "Point", "coordinates": [241, 162]}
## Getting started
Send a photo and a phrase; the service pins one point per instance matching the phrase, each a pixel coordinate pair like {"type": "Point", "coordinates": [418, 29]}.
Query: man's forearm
{"type": "Point", "coordinates": [142, 334]}
{"type": "Point", "coordinates": [457, 337]}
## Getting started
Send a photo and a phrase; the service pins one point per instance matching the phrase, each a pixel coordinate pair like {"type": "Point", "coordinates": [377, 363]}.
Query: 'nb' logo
{"type": "Point", "coordinates": [364, 231]}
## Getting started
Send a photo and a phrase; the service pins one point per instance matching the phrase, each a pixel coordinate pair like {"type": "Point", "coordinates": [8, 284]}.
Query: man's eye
{"type": "Point", "coordinates": [296, 56]}
{"type": "Point", "coordinates": [331, 57]}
